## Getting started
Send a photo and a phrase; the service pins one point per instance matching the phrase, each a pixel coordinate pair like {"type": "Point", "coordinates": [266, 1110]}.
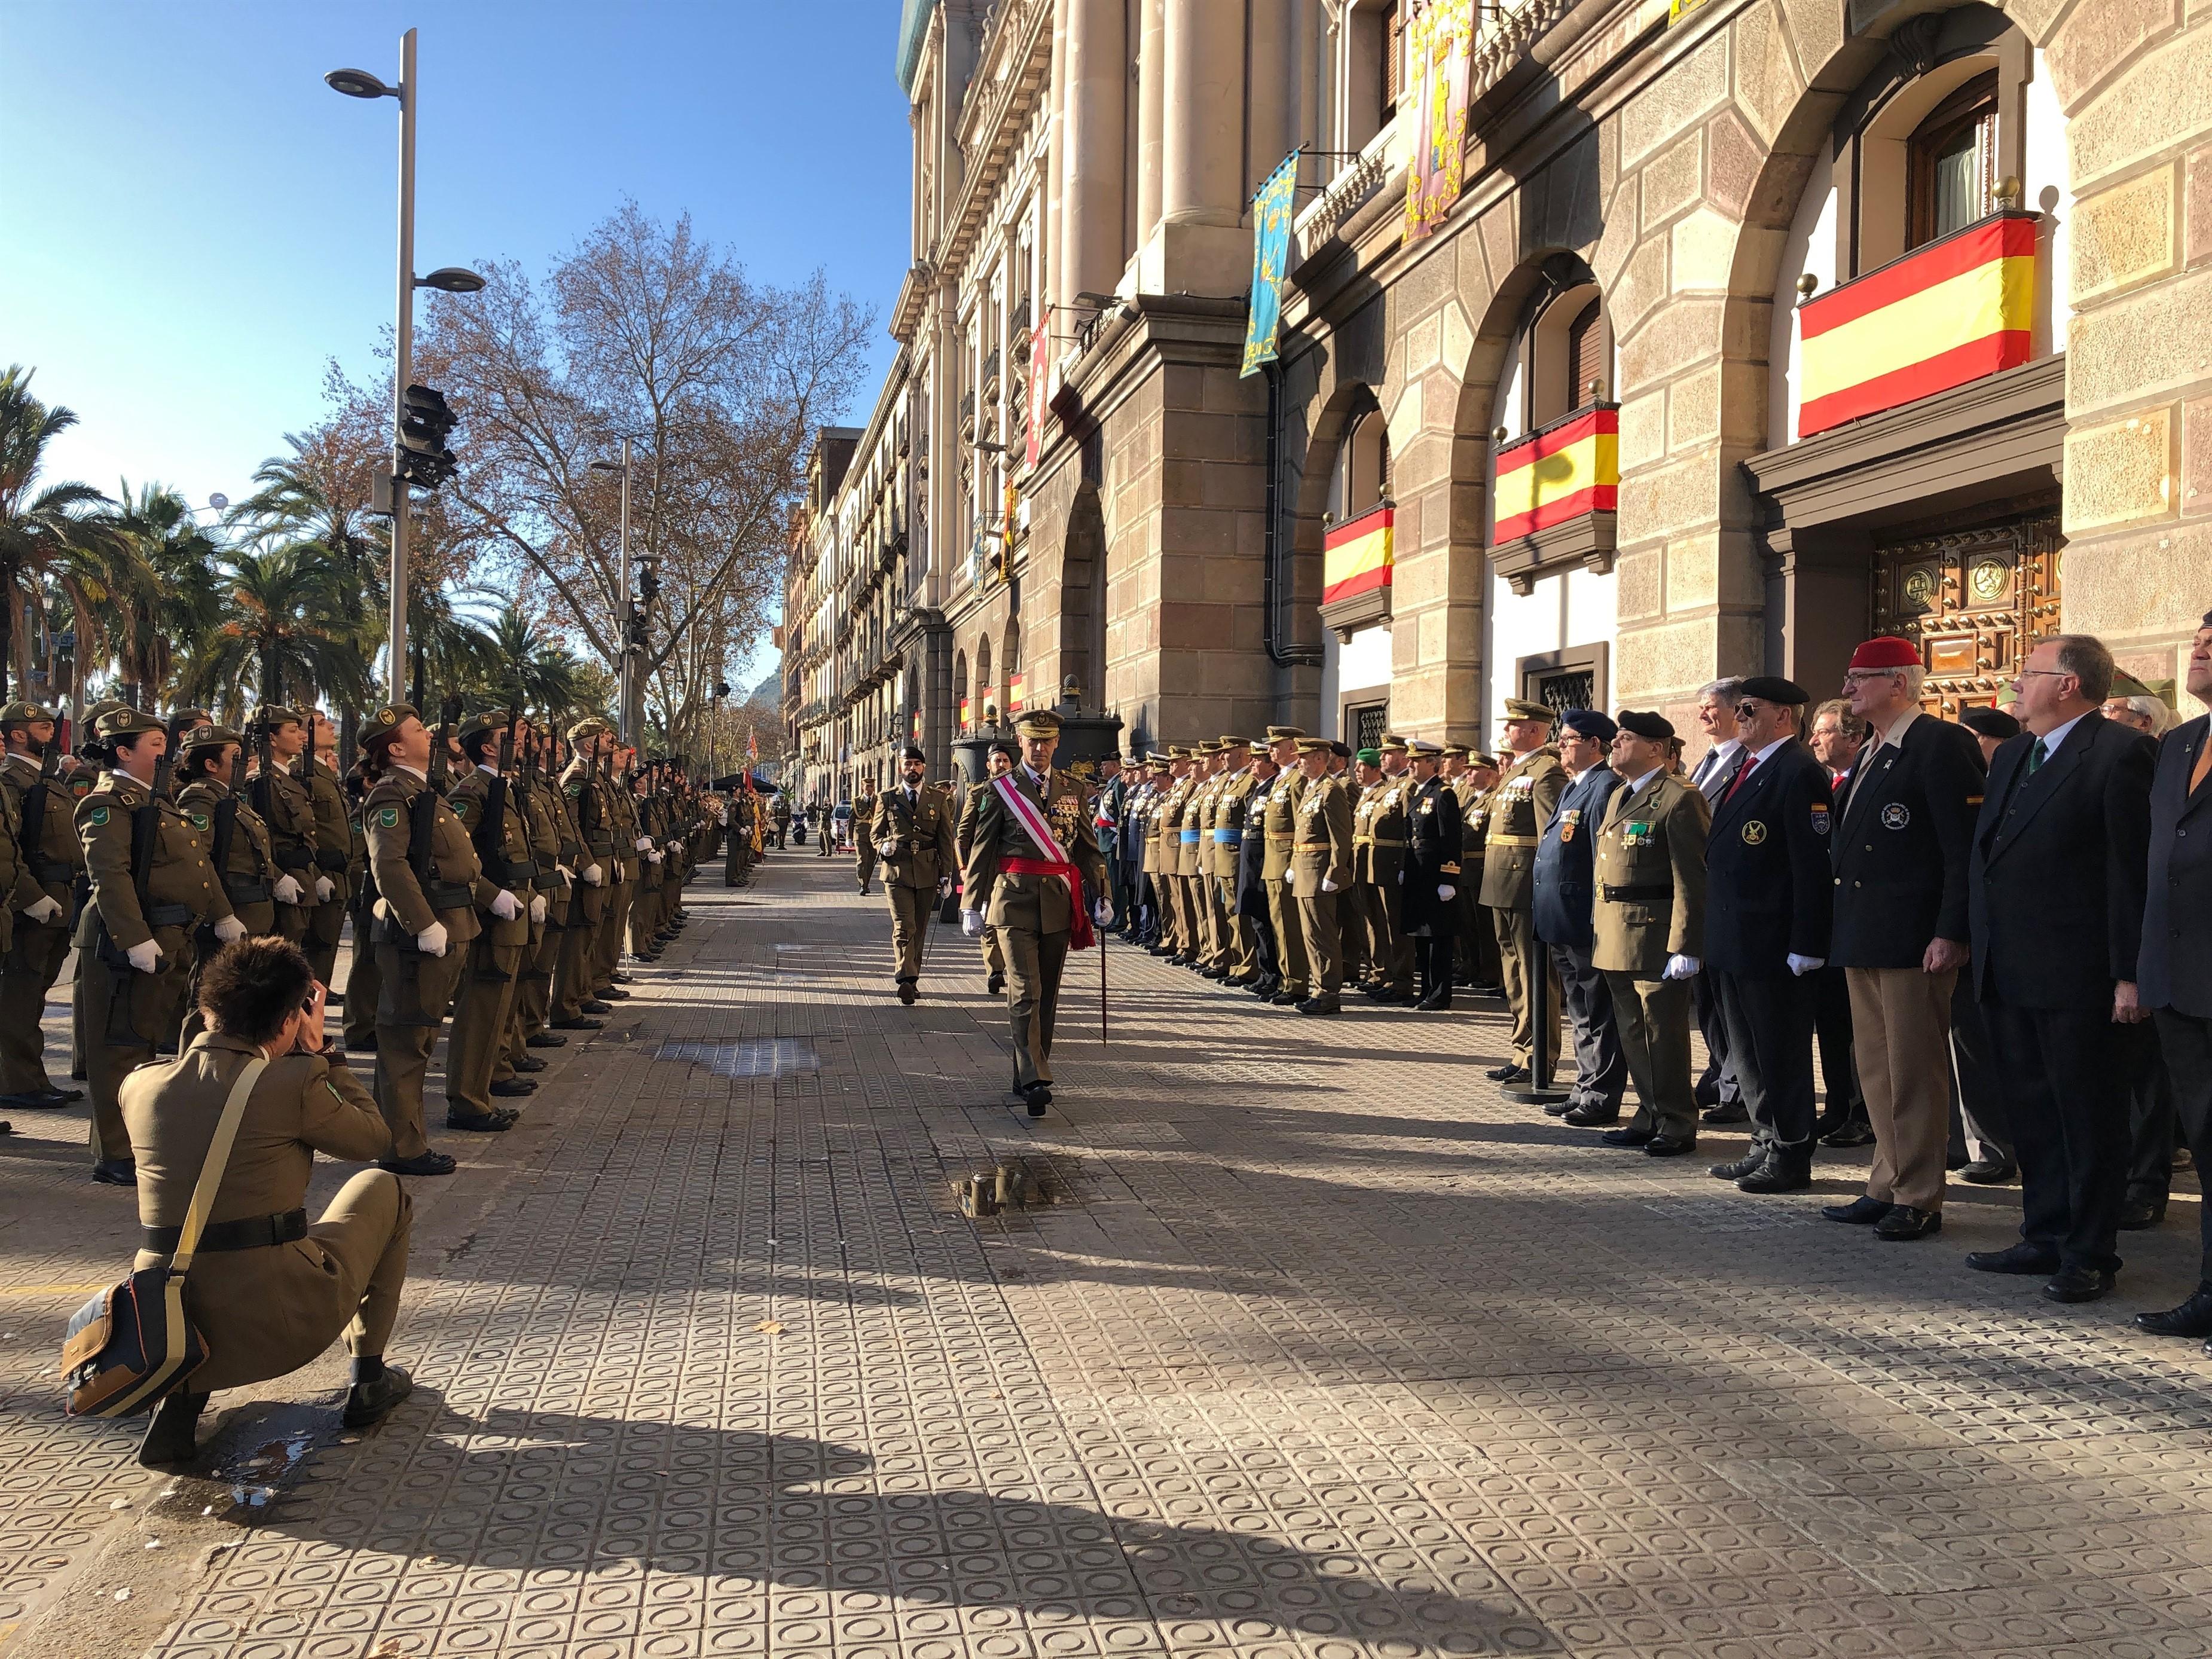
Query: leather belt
{"type": "Point", "coordinates": [52, 870]}
{"type": "Point", "coordinates": [169, 916]}
{"type": "Point", "coordinates": [249, 1233]}
{"type": "Point", "coordinates": [1381, 840]}
{"type": "Point", "coordinates": [330, 858]}
{"type": "Point", "coordinates": [1312, 847]}
{"type": "Point", "coordinates": [246, 892]}
{"type": "Point", "coordinates": [1512, 841]}
{"type": "Point", "coordinates": [450, 896]}
{"type": "Point", "coordinates": [1636, 895]}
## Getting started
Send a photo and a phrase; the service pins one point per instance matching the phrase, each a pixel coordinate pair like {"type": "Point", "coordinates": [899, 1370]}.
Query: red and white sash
{"type": "Point", "coordinates": [1051, 860]}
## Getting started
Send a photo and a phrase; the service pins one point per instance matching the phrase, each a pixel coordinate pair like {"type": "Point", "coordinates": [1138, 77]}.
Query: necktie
{"type": "Point", "coordinates": [2203, 767]}
{"type": "Point", "coordinates": [1741, 773]}
{"type": "Point", "coordinates": [2037, 756]}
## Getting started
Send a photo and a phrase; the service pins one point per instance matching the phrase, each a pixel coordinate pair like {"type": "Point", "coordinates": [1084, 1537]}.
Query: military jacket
{"type": "Point", "coordinates": [1323, 848]}
{"type": "Point", "coordinates": [291, 821]}
{"type": "Point", "coordinates": [455, 873]}
{"type": "Point", "coordinates": [586, 795]}
{"type": "Point", "coordinates": [925, 832]}
{"type": "Point", "coordinates": [1433, 842]}
{"type": "Point", "coordinates": [1565, 862]}
{"type": "Point", "coordinates": [15, 874]}
{"type": "Point", "coordinates": [50, 868]}
{"type": "Point", "coordinates": [1168, 861]}
{"type": "Point", "coordinates": [333, 831]}
{"type": "Point", "coordinates": [1195, 858]}
{"type": "Point", "coordinates": [1527, 794]}
{"type": "Point", "coordinates": [471, 798]}
{"type": "Point", "coordinates": [622, 817]}
{"type": "Point", "coordinates": [251, 869]}
{"type": "Point", "coordinates": [1650, 877]}
{"type": "Point", "coordinates": [1473, 823]}
{"type": "Point", "coordinates": [1033, 903]}
{"type": "Point", "coordinates": [541, 821]}
{"type": "Point", "coordinates": [181, 892]}
{"type": "Point", "coordinates": [1278, 826]}
{"type": "Point", "coordinates": [1230, 803]}
{"type": "Point", "coordinates": [1380, 817]}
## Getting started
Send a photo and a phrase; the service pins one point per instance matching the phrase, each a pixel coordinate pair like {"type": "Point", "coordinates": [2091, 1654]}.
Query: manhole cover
{"type": "Point", "coordinates": [761, 1057]}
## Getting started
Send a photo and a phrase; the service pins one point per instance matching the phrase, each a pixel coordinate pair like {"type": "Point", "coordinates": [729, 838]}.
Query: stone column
{"type": "Point", "coordinates": [1055, 290]}
{"type": "Point", "coordinates": [1201, 249]}
{"type": "Point", "coordinates": [1151, 91]}
{"type": "Point", "coordinates": [1095, 53]}
{"type": "Point", "coordinates": [1271, 124]}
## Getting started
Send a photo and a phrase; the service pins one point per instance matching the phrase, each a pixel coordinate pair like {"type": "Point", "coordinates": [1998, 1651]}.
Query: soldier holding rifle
{"type": "Point", "coordinates": [316, 769]}
{"type": "Point", "coordinates": [211, 779]}
{"type": "Point", "coordinates": [584, 790]}
{"type": "Point", "coordinates": [507, 902]}
{"type": "Point", "coordinates": [41, 900]}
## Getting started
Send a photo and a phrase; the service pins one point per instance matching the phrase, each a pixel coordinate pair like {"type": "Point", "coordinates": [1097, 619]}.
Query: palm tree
{"type": "Point", "coordinates": [317, 494]}
{"type": "Point", "coordinates": [447, 648]}
{"type": "Point", "coordinates": [38, 526]}
{"type": "Point", "coordinates": [285, 621]}
{"type": "Point", "coordinates": [532, 669]}
{"type": "Point", "coordinates": [158, 569]}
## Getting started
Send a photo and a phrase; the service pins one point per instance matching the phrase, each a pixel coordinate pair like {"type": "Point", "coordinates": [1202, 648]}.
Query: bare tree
{"type": "Point", "coordinates": [646, 330]}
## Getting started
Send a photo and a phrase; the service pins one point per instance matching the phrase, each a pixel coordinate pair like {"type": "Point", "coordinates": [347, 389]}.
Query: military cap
{"type": "Point", "coordinates": [1338, 748]}
{"type": "Point", "coordinates": [274, 714]}
{"type": "Point", "coordinates": [1651, 726]}
{"type": "Point", "coordinates": [2008, 695]}
{"type": "Point", "coordinates": [1201, 749]}
{"type": "Point", "coordinates": [1520, 708]}
{"type": "Point", "coordinates": [589, 727]}
{"type": "Point", "coordinates": [1236, 742]}
{"type": "Point", "coordinates": [1772, 688]}
{"type": "Point", "coordinates": [1315, 746]}
{"type": "Point", "coordinates": [1176, 751]}
{"type": "Point", "coordinates": [124, 722]}
{"type": "Point", "coordinates": [488, 720]}
{"type": "Point", "coordinates": [1369, 756]}
{"type": "Point", "coordinates": [2125, 684]}
{"type": "Point", "coordinates": [1476, 758]}
{"type": "Point", "coordinates": [183, 720]}
{"type": "Point", "coordinates": [1422, 749]}
{"type": "Point", "coordinates": [1156, 758]}
{"type": "Point", "coordinates": [1277, 733]}
{"type": "Point", "coordinates": [105, 705]}
{"type": "Point", "coordinates": [1990, 723]}
{"type": "Point", "coordinates": [1002, 747]}
{"type": "Point", "coordinates": [1038, 723]}
{"type": "Point", "coordinates": [389, 719]}
{"type": "Point", "coordinates": [1886, 650]}
{"type": "Point", "coordinates": [1392, 742]}
{"type": "Point", "coordinates": [1588, 723]}
{"type": "Point", "coordinates": [1455, 751]}
{"type": "Point", "coordinates": [208, 737]}
{"type": "Point", "coordinates": [23, 713]}
{"type": "Point", "coordinates": [910, 752]}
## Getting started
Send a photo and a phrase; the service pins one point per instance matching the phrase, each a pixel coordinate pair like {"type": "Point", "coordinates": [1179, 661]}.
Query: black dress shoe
{"type": "Point", "coordinates": [173, 1435]}
{"type": "Point", "coordinates": [1851, 1134]}
{"type": "Point", "coordinates": [994, 985]}
{"type": "Point", "coordinates": [1509, 1074]}
{"type": "Point", "coordinates": [1035, 1097]}
{"type": "Point", "coordinates": [2078, 1285]}
{"type": "Point", "coordinates": [1627, 1135]}
{"type": "Point", "coordinates": [1905, 1223]}
{"type": "Point", "coordinates": [513, 1086]}
{"type": "Point", "coordinates": [1988, 1172]}
{"type": "Point", "coordinates": [621, 978]}
{"type": "Point", "coordinates": [1214, 973]}
{"type": "Point", "coordinates": [2021, 1258]}
{"type": "Point", "coordinates": [115, 1172]}
{"type": "Point", "coordinates": [2138, 1213]}
{"type": "Point", "coordinates": [1782, 1172]}
{"type": "Point", "coordinates": [1285, 1000]}
{"type": "Point", "coordinates": [545, 1039]}
{"type": "Point", "coordinates": [528, 1063]}
{"type": "Point", "coordinates": [611, 993]}
{"type": "Point", "coordinates": [1320, 1005]}
{"type": "Point", "coordinates": [1861, 1211]}
{"type": "Point", "coordinates": [907, 994]}
{"type": "Point", "coordinates": [481, 1123]}
{"type": "Point", "coordinates": [1706, 1094]}
{"type": "Point", "coordinates": [368, 1048]}
{"type": "Point", "coordinates": [2192, 1318]}
{"type": "Point", "coordinates": [369, 1403]}
{"type": "Point", "coordinates": [425, 1164]}
{"type": "Point", "coordinates": [64, 1097]}
{"type": "Point", "coordinates": [594, 1005]}
{"type": "Point", "coordinates": [1669, 1146]}
{"type": "Point", "coordinates": [1754, 1159]}
{"type": "Point", "coordinates": [1590, 1114]}
{"type": "Point", "coordinates": [1434, 1002]}
{"type": "Point", "coordinates": [1735, 1113]}
{"type": "Point", "coordinates": [1560, 1107]}
{"type": "Point", "coordinates": [36, 1100]}
{"type": "Point", "coordinates": [1240, 982]}
{"type": "Point", "coordinates": [579, 1024]}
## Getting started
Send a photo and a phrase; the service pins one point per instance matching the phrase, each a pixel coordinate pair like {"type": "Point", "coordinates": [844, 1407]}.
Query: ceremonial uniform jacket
{"type": "Point", "coordinates": [541, 818]}
{"type": "Point", "coordinates": [1903, 836]}
{"type": "Point", "coordinates": [1566, 891]}
{"type": "Point", "coordinates": [1278, 827]}
{"type": "Point", "coordinates": [181, 892]}
{"type": "Point", "coordinates": [470, 798]}
{"type": "Point", "coordinates": [1473, 832]}
{"type": "Point", "coordinates": [251, 870]}
{"type": "Point", "coordinates": [48, 868]}
{"type": "Point", "coordinates": [1231, 802]}
{"type": "Point", "coordinates": [1037, 904]}
{"type": "Point", "coordinates": [925, 832]}
{"type": "Point", "coordinates": [291, 821]}
{"type": "Point", "coordinates": [1322, 850]}
{"type": "Point", "coordinates": [1379, 858]}
{"type": "Point", "coordinates": [1254, 851]}
{"type": "Point", "coordinates": [456, 876]}
{"type": "Point", "coordinates": [1769, 893]}
{"type": "Point", "coordinates": [1106, 811]}
{"type": "Point", "coordinates": [1651, 878]}
{"type": "Point", "coordinates": [333, 833]}
{"type": "Point", "coordinates": [2174, 967]}
{"type": "Point", "coordinates": [1432, 838]}
{"type": "Point", "coordinates": [1198, 828]}
{"type": "Point", "coordinates": [1173, 806]}
{"type": "Point", "coordinates": [1521, 806]}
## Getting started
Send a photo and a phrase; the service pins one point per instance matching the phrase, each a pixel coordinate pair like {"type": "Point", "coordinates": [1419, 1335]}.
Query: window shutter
{"type": "Point", "coordinates": [1393, 53]}
{"type": "Point", "coordinates": [1585, 354]}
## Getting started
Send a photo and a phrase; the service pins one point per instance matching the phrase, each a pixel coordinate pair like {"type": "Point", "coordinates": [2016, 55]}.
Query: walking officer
{"type": "Point", "coordinates": [1527, 794]}
{"type": "Point", "coordinates": [914, 835]}
{"type": "Point", "coordinates": [51, 861]}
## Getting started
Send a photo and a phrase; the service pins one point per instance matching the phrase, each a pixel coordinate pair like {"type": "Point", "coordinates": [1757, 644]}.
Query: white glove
{"type": "Point", "coordinates": [1445, 890]}
{"type": "Point", "coordinates": [285, 890]}
{"type": "Point", "coordinates": [44, 910]}
{"type": "Point", "coordinates": [325, 889]}
{"type": "Point", "coordinates": [971, 923]}
{"type": "Point", "coordinates": [538, 907]}
{"type": "Point", "coordinates": [1102, 913]}
{"type": "Point", "coordinates": [228, 929]}
{"type": "Point", "coordinates": [645, 843]}
{"type": "Point", "coordinates": [1327, 885]}
{"type": "Point", "coordinates": [1402, 878]}
{"type": "Point", "coordinates": [943, 886]}
{"type": "Point", "coordinates": [653, 858]}
{"type": "Point", "coordinates": [1679, 967]}
{"type": "Point", "coordinates": [431, 941]}
{"type": "Point", "coordinates": [1802, 965]}
{"type": "Point", "coordinates": [593, 876]}
{"type": "Point", "coordinates": [568, 876]}
{"type": "Point", "coordinates": [886, 849]}
{"type": "Point", "coordinates": [382, 910]}
{"type": "Point", "coordinates": [145, 956]}
{"type": "Point", "coordinates": [504, 907]}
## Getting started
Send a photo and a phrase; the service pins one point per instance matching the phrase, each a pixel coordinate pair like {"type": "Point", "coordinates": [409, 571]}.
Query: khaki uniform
{"type": "Point", "coordinates": [1277, 824]}
{"type": "Point", "coordinates": [964, 838]}
{"type": "Point", "coordinates": [586, 796]}
{"type": "Point", "coordinates": [928, 839]}
{"type": "Point", "coordinates": [1527, 794]}
{"type": "Point", "coordinates": [1197, 842]}
{"type": "Point", "coordinates": [622, 823]}
{"type": "Point", "coordinates": [1167, 861]}
{"type": "Point", "coordinates": [246, 877]}
{"type": "Point", "coordinates": [551, 846]}
{"type": "Point", "coordinates": [1032, 914]}
{"type": "Point", "coordinates": [1322, 851]}
{"type": "Point", "coordinates": [1649, 904]}
{"type": "Point", "coordinates": [1223, 849]}
{"type": "Point", "coordinates": [364, 983]}
{"type": "Point", "coordinates": [181, 893]}
{"type": "Point", "coordinates": [485, 1007]}
{"type": "Point", "coordinates": [291, 820]}
{"type": "Point", "coordinates": [270, 1309]}
{"type": "Point", "coordinates": [334, 834]}
{"type": "Point", "coordinates": [414, 989]}
{"type": "Point", "coordinates": [48, 867]}
{"type": "Point", "coordinates": [1379, 862]}
{"type": "Point", "coordinates": [863, 846]}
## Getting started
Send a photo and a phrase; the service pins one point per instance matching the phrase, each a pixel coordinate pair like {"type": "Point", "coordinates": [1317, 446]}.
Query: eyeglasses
{"type": "Point", "coordinates": [1861, 676]}
{"type": "Point", "coordinates": [2053, 673]}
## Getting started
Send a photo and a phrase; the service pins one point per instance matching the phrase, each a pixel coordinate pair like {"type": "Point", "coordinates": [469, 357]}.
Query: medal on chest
{"type": "Point", "coordinates": [1569, 820]}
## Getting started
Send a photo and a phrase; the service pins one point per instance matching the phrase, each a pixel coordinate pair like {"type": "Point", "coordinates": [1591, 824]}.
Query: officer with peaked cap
{"type": "Point", "coordinates": [40, 801]}
{"type": "Point", "coordinates": [1321, 871]}
{"type": "Point", "coordinates": [1278, 832]}
{"type": "Point", "coordinates": [1564, 897]}
{"type": "Point", "coordinates": [913, 831]}
{"type": "Point", "coordinates": [1769, 901]}
{"type": "Point", "coordinates": [1527, 794]}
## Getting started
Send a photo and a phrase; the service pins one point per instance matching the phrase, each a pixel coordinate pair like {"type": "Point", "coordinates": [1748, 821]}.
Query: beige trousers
{"type": "Point", "coordinates": [1901, 1039]}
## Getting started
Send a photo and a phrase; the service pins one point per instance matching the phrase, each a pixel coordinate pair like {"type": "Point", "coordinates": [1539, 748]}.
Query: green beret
{"type": "Point", "coordinates": [1368, 756]}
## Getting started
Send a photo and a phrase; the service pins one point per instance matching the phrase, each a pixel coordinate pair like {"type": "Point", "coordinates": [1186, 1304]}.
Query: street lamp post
{"type": "Point", "coordinates": [625, 674]}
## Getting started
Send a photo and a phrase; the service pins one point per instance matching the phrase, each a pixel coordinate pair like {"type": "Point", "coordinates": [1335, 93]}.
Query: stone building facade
{"type": "Point", "coordinates": [1664, 209]}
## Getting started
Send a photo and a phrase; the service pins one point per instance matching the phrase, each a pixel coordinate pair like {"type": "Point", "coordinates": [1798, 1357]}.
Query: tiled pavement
{"type": "Point", "coordinates": [1308, 1346]}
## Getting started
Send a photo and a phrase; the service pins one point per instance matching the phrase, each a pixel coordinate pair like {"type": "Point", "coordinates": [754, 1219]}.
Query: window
{"type": "Point", "coordinates": [1362, 477]}
{"type": "Point", "coordinates": [1585, 356]}
{"type": "Point", "coordinates": [1392, 53]}
{"type": "Point", "coordinates": [1567, 349]}
{"type": "Point", "coordinates": [1951, 162]}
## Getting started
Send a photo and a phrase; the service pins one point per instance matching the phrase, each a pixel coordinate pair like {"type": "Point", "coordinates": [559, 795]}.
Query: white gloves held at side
{"type": "Point", "coordinates": [325, 889]}
{"type": "Point", "coordinates": [1445, 890]}
{"type": "Point", "coordinates": [504, 907]}
{"type": "Point", "coordinates": [285, 890]}
{"type": "Point", "coordinates": [44, 910]}
{"type": "Point", "coordinates": [431, 941]}
{"type": "Point", "coordinates": [971, 923]}
{"type": "Point", "coordinates": [645, 843]}
{"type": "Point", "coordinates": [886, 849]}
{"type": "Point", "coordinates": [1102, 913]}
{"type": "Point", "coordinates": [145, 956]}
{"type": "Point", "coordinates": [228, 929]}
{"type": "Point", "coordinates": [593, 876]}
{"type": "Point", "coordinates": [538, 907]}
{"type": "Point", "coordinates": [1327, 885]}
{"type": "Point", "coordinates": [1801, 966]}
{"type": "Point", "coordinates": [1681, 967]}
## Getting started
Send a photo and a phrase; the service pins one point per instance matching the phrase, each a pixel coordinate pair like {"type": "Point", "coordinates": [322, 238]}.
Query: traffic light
{"type": "Point", "coordinates": [641, 633]}
{"type": "Point", "coordinates": [424, 423]}
{"type": "Point", "coordinates": [721, 687]}
{"type": "Point", "coordinates": [648, 582]}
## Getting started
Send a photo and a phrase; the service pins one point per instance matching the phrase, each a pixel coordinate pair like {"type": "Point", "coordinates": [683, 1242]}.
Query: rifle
{"type": "Point", "coordinates": [264, 787]}
{"type": "Point", "coordinates": [226, 823]}
{"type": "Point", "coordinates": [491, 833]}
{"type": "Point", "coordinates": [423, 810]}
{"type": "Point", "coordinates": [145, 840]}
{"type": "Point", "coordinates": [34, 811]}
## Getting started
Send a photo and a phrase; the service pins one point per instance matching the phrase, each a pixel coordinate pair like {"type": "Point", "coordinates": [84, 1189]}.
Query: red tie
{"type": "Point", "coordinates": [1742, 772]}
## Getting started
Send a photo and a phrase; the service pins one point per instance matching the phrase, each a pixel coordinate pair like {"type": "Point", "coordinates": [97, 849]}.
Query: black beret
{"type": "Point", "coordinates": [1990, 723]}
{"type": "Point", "coordinates": [1588, 723]}
{"type": "Point", "coordinates": [1772, 688]}
{"type": "Point", "coordinates": [1652, 727]}
{"type": "Point", "coordinates": [914, 754]}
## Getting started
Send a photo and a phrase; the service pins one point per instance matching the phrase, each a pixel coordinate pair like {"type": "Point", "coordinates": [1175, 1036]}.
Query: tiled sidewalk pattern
{"type": "Point", "coordinates": [1320, 1349]}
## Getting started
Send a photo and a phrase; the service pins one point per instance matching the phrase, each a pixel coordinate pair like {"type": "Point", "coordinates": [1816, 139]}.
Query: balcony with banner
{"type": "Point", "coordinates": [1556, 495]}
{"type": "Point", "coordinates": [1356, 562]}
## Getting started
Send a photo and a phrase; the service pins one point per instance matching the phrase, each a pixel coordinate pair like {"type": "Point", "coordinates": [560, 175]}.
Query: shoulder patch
{"type": "Point", "coordinates": [98, 816]}
{"type": "Point", "coordinates": [81, 788]}
{"type": "Point", "coordinates": [199, 820]}
{"type": "Point", "coordinates": [1819, 819]}
{"type": "Point", "coordinates": [389, 817]}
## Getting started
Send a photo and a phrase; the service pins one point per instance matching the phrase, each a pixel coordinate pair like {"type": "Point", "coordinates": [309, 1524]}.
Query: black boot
{"type": "Point", "coordinates": [173, 1435]}
{"type": "Point", "coordinates": [377, 1388]}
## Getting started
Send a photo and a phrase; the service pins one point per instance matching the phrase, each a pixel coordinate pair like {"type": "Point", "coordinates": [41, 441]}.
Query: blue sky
{"type": "Point", "coordinates": [194, 223]}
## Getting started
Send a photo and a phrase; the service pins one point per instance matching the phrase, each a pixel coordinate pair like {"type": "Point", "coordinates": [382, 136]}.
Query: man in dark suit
{"type": "Point", "coordinates": [1767, 902]}
{"type": "Point", "coordinates": [2054, 893]}
{"type": "Point", "coordinates": [1717, 1090]}
{"type": "Point", "coordinates": [1432, 874]}
{"type": "Point", "coordinates": [1565, 891]}
{"type": "Point", "coordinates": [1904, 823]}
{"type": "Point", "coordinates": [2175, 966]}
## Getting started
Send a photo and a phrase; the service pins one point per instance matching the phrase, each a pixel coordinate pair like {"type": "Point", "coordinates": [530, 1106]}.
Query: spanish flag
{"type": "Point", "coordinates": [1944, 314]}
{"type": "Point", "coordinates": [1558, 472]}
{"type": "Point", "coordinates": [1015, 686]}
{"type": "Point", "coordinates": [1356, 555]}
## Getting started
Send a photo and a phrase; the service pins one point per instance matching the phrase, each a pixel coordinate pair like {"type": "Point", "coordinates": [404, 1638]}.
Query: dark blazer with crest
{"type": "Point", "coordinates": [1768, 890]}
{"type": "Point", "coordinates": [2055, 890]}
{"type": "Point", "coordinates": [2174, 970]}
{"type": "Point", "coordinates": [1905, 828]}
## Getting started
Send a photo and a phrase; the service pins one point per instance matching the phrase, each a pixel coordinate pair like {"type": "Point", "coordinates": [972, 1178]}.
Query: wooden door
{"type": "Point", "coordinates": [1975, 601]}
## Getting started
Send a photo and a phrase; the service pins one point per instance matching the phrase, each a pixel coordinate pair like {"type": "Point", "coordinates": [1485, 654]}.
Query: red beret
{"type": "Point", "coordinates": [1886, 651]}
